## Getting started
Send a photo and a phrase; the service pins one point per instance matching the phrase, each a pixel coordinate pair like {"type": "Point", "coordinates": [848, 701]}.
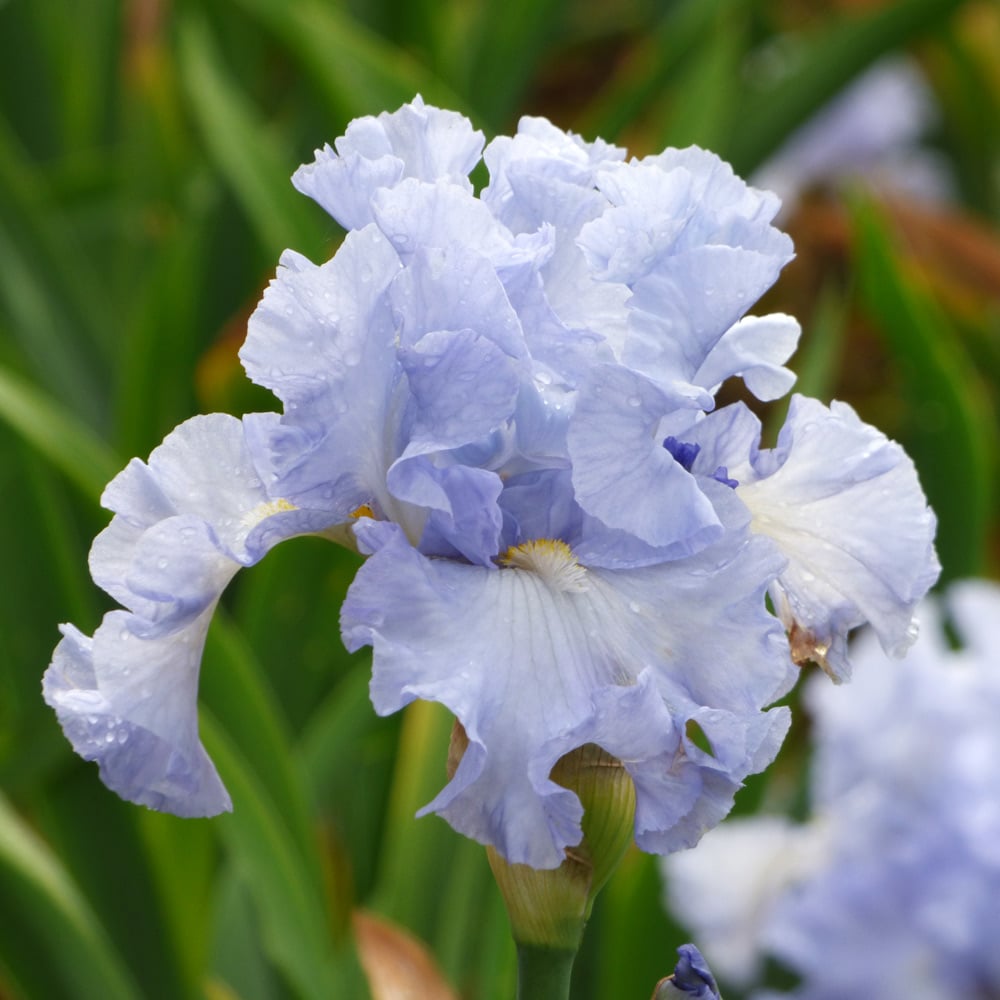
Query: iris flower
{"type": "Point", "coordinates": [890, 888]}
{"type": "Point", "coordinates": [505, 401]}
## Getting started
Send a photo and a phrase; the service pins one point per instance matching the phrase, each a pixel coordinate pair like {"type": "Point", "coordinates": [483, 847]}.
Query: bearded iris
{"type": "Point", "coordinates": [505, 401]}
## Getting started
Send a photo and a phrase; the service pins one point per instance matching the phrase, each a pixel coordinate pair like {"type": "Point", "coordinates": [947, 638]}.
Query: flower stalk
{"type": "Point", "coordinates": [549, 907]}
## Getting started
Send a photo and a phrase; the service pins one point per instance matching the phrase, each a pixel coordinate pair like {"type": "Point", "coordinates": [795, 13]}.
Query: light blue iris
{"type": "Point", "coordinates": [476, 390]}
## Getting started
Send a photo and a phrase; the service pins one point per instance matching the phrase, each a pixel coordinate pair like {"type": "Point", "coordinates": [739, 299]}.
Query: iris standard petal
{"type": "Point", "coordinates": [323, 340]}
{"type": "Point", "coordinates": [623, 475]}
{"type": "Point", "coordinates": [455, 288]}
{"type": "Point", "coordinates": [417, 140]}
{"type": "Point", "coordinates": [543, 173]}
{"type": "Point", "coordinates": [756, 348]}
{"type": "Point", "coordinates": [416, 215]}
{"type": "Point", "coordinates": [680, 312]}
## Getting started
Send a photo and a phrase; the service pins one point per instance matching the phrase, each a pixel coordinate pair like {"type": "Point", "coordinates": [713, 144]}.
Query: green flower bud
{"type": "Point", "coordinates": [548, 908]}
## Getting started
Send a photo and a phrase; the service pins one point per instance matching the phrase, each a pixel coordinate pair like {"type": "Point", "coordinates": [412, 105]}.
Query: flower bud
{"type": "Point", "coordinates": [548, 908]}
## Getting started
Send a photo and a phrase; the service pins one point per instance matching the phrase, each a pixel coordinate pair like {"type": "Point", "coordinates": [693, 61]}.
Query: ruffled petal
{"type": "Point", "coordinates": [756, 348]}
{"type": "Point", "coordinates": [418, 141]}
{"type": "Point", "coordinates": [543, 174]}
{"type": "Point", "coordinates": [188, 520]}
{"type": "Point", "coordinates": [130, 704]}
{"type": "Point", "coordinates": [844, 504]}
{"type": "Point", "coordinates": [680, 312]}
{"type": "Point", "coordinates": [562, 655]}
{"type": "Point", "coordinates": [323, 339]}
{"type": "Point", "coordinates": [623, 475]}
{"type": "Point", "coordinates": [455, 288]}
{"type": "Point", "coordinates": [415, 215]}
{"type": "Point", "coordinates": [184, 524]}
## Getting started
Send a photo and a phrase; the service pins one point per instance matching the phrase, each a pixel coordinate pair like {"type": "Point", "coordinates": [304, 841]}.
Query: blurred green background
{"type": "Point", "coordinates": [145, 154]}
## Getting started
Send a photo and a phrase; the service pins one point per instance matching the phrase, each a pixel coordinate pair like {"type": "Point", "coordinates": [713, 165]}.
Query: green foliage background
{"type": "Point", "coordinates": [145, 154]}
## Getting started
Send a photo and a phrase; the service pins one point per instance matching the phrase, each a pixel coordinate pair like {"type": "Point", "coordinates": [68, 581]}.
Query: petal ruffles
{"type": "Point", "coordinates": [562, 655]}
{"type": "Point", "coordinates": [184, 524]}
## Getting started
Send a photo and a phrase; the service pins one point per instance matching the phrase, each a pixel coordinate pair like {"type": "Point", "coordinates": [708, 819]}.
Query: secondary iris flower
{"type": "Point", "coordinates": [890, 889]}
{"type": "Point", "coordinates": [692, 978]}
{"type": "Point", "coordinates": [504, 401]}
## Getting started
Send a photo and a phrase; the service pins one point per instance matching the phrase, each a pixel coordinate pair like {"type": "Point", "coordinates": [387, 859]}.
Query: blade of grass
{"type": "Point", "coordinates": [98, 838]}
{"type": "Point", "coordinates": [654, 64]}
{"type": "Point", "coordinates": [53, 941]}
{"type": "Point", "coordinates": [83, 54]}
{"type": "Point", "coordinates": [354, 70]}
{"type": "Point", "coordinates": [703, 99]}
{"type": "Point", "coordinates": [951, 435]}
{"type": "Point", "coordinates": [504, 47]}
{"type": "Point", "coordinates": [836, 53]}
{"type": "Point", "coordinates": [304, 910]}
{"type": "Point", "coordinates": [241, 146]}
{"type": "Point", "coordinates": [409, 881]}
{"type": "Point", "coordinates": [288, 892]}
{"type": "Point", "coordinates": [50, 295]}
{"type": "Point", "coordinates": [235, 691]}
{"type": "Point", "coordinates": [55, 433]}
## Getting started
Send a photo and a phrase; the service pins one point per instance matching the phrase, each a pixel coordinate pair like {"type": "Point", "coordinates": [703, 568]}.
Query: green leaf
{"type": "Point", "coordinates": [238, 962]}
{"type": "Point", "coordinates": [354, 70]}
{"type": "Point", "coordinates": [950, 431]}
{"type": "Point", "coordinates": [234, 690]}
{"type": "Point", "coordinates": [702, 100]}
{"type": "Point", "coordinates": [48, 299]}
{"type": "Point", "coordinates": [183, 861]}
{"type": "Point", "coordinates": [56, 434]}
{"type": "Point", "coordinates": [304, 912]}
{"type": "Point", "coordinates": [505, 45]}
{"type": "Point", "coordinates": [53, 942]}
{"type": "Point", "coordinates": [245, 152]}
{"type": "Point", "coordinates": [674, 46]}
{"type": "Point", "coordinates": [772, 107]}
{"type": "Point", "coordinates": [288, 891]}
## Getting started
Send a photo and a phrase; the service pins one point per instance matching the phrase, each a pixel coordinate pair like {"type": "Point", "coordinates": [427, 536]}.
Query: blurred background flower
{"type": "Point", "coordinates": [889, 888]}
{"type": "Point", "coordinates": [145, 155]}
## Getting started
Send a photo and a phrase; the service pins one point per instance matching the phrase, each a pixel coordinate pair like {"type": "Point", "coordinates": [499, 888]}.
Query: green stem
{"type": "Point", "coordinates": [543, 973]}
